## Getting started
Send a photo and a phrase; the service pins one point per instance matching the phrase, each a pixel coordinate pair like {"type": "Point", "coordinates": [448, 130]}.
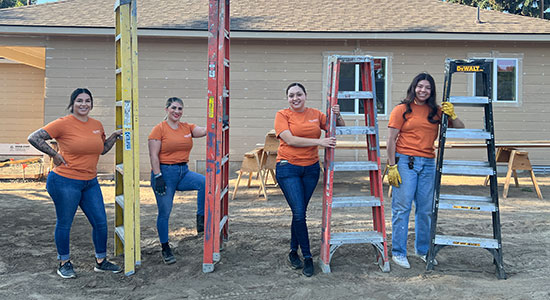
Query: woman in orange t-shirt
{"type": "Point", "coordinates": [170, 143]}
{"type": "Point", "coordinates": [299, 129]}
{"type": "Point", "coordinates": [73, 181]}
{"type": "Point", "coordinates": [413, 128]}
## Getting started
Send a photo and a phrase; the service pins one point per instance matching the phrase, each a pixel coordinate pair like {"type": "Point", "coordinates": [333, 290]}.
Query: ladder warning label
{"type": "Point", "coordinates": [469, 69]}
{"type": "Point", "coordinates": [127, 114]}
{"type": "Point", "coordinates": [466, 244]}
{"type": "Point", "coordinates": [127, 140]}
{"type": "Point", "coordinates": [467, 207]}
{"type": "Point", "coordinates": [211, 107]}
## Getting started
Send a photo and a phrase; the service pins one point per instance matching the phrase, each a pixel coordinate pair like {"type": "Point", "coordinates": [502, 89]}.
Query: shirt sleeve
{"type": "Point", "coordinates": [323, 120]}
{"type": "Point", "coordinates": [156, 133]}
{"type": "Point", "coordinates": [191, 126]}
{"type": "Point", "coordinates": [281, 123]}
{"type": "Point", "coordinates": [54, 128]}
{"type": "Point", "coordinates": [396, 117]}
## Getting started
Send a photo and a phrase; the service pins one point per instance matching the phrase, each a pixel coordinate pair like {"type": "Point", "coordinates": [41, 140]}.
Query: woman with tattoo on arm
{"type": "Point", "coordinates": [73, 181]}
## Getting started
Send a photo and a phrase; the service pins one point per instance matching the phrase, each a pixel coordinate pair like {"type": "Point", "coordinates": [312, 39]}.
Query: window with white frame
{"type": "Point", "coordinates": [350, 81]}
{"type": "Point", "coordinates": [505, 80]}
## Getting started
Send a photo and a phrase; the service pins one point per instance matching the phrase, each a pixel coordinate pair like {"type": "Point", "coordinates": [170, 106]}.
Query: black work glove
{"type": "Point", "coordinates": [160, 185]}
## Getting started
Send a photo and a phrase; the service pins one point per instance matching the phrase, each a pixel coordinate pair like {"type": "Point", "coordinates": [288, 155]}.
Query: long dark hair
{"type": "Point", "coordinates": [411, 94]}
{"type": "Point", "coordinates": [75, 94]}
{"type": "Point", "coordinates": [172, 100]}
{"type": "Point", "coordinates": [296, 84]}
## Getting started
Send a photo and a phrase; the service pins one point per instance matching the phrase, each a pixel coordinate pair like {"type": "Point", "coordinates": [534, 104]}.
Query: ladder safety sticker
{"type": "Point", "coordinates": [127, 140]}
{"type": "Point", "coordinates": [212, 70]}
{"type": "Point", "coordinates": [467, 244]}
{"type": "Point", "coordinates": [211, 107]}
{"type": "Point", "coordinates": [467, 207]}
{"type": "Point", "coordinates": [127, 114]}
{"type": "Point", "coordinates": [469, 69]}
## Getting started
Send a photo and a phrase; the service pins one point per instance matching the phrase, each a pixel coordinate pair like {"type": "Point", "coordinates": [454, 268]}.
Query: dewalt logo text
{"type": "Point", "coordinates": [468, 69]}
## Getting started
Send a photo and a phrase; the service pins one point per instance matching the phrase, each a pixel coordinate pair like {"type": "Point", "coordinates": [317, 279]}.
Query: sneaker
{"type": "Point", "coordinates": [66, 270]}
{"type": "Point", "coordinates": [200, 224]}
{"type": "Point", "coordinates": [167, 256]}
{"type": "Point", "coordinates": [401, 261]}
{"type": "Point", "coordinates": [308, 267]}
{"type": "Point", "coordinates": [424, 259]}
{"type": "Point", "coordinates": [294, 260]}
{"type": "Point", "coordinates": [107, 266]}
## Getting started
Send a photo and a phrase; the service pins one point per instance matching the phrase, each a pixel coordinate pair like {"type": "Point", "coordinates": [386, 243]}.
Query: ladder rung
{"type": "Point", "coordinates": [465, 167]}
{"type": "Point", "coordinates": [119, 103]}
{"type": "Point", "coordinates": [224, 128]}
{"type": "Point", "coordinates": [120, 168]}
{"type": "Point", "coordinates": [226, 62]}
{"type": "Point", "coordinates": [355, 166]}
{"type": "Point", "coordinates": [222, 194]}
{"type": "Point", "coordinates": [461, 133]}
{"type": "Point", "coordinates": [351, 130]}
{"type": "Point", "coordinates": [118, 71]}
{"type": "Point", "coordinates": [466, 241]}
{"type": "Point", "coordinates": [357, 201]}
{"type": "Point", "coordinates": [354, 95]}
{"type": "Point", "coordinates": [467, 205]}
{"type": "Point", "coordinates": [361, 237]}
{"type": "Point", "coordinates": [225, 159]}
{"type": "Point", "coordinates": [120, 201]}
{"type": "Point", "coordinates": [225, 92]}
{"type": "Point", "coordinates": [354, 59]}
{"type": "Point", "coordinates": [222, 222]}
{"type": "Point", "coordinates": [117, 37]}
{"type": "Point", "coordinates": [119, 230]}
{"type": "Point", "coordinates": [226, 33]}
{"type": "Point", "coordinates": [468, 101]}
{"type": "Point", "coordinates": [465, 198]}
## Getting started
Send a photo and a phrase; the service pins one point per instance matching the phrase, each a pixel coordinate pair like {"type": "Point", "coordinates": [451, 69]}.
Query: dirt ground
{"type": "Point", "coordinates": [253, 264]}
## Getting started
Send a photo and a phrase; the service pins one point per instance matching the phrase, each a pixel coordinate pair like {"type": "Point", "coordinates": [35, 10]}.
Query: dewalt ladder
{"type": "Point", "coordinates": [330, 241]}
{"type": "Point", "coordinates": [127, 230]}
{"type": "Point", "coordinates": [466, 203]}
{"type": "Point", "coordinates": [217, 140]}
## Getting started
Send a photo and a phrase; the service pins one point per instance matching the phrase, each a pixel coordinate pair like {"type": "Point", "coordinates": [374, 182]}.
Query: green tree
{"type": "Point", "coordinates": [15, 3]}
{"type": "Point", "coordinates": [531, 8]}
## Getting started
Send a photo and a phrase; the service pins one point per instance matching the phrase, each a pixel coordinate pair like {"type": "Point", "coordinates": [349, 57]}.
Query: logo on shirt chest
{"type": "Point", "coordinates": [313, 121]}
{"type": "Point", "coordinates": [97, 131]}
{"type": "Point", "coordinates": [188, 135]}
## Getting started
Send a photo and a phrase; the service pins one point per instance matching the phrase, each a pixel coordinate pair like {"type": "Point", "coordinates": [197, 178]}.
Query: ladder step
{"type": "Point", "coordinates": [226, 62]}
{"type": "Point", "coordinates": [354, 130]}
{"type": "Point", "coordinates": [461, 133]}
{"type": "Point", "coordinates": [468, 101]}
{"type": "Point", "coordinates": [466, 241]}
{"type": "Point", "coordinates": [361, 237]}
{"type": "Point", "coordinates": [355, 95]}
{"type": "Point", "coordinates": [120, 201]}
{"type": "Point", "coordinates": [118, 71]}
{"type": "Point", "coordinates": [225, 92]}
{"type": "Point", "coordinates": [120, 168]}
{"type": "Point", "coordinates": [117, 37]}
{"type": "Point", "coordinates": [355, 166]}
{"type": "Point", "coordinates": [357, 201]}
{"type": "Point", "coordinates": [467, 205]}
{"type": "Point", "coordinates": [465, 167]}
{"type": "Point", "coordinates": [222, 222]}
{"type": "Point", "coordinates": [225, 159]}
{"type": "Point", "coordinates": [222, 194]}
{"type": "Point", "coordinates": [224, 128]}
{"type": "Point", "coordinates": [119, 103]}
{"type": "Point", "coordinates": [465, 198]}
{"type": "Point", "coordinates": [119, 230]}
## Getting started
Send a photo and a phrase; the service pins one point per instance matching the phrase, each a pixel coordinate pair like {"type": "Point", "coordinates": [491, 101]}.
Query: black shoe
{"type": "Point", "coordinates": [200, 224]}
{"type": "Point", "coordinates": [66, 270]}
{"type": "Point", "coordinates": [308, 267]}
{"type": "Point", "coordinates": [294, 260]}
{"type": "Point", "coordinates": [167, 255]}
{"type": "Point", "coordinates": [107, 266]}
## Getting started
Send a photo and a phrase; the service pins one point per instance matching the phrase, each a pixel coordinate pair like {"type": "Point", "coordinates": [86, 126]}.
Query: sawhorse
{"type": "Point", "coordinates": [517, 160]}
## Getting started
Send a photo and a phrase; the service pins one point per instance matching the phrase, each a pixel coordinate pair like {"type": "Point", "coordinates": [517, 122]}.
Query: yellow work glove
{"type": "Point", "coordinates": [393, 176]}
{"type": "Point", "coordinates": [449, 109]}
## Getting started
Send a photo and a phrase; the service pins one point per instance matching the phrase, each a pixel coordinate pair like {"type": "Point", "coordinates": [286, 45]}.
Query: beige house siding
{"type": "Point", "coordinates": [21, 101]}
{"type": "Point", "coordinates": [260, 72]}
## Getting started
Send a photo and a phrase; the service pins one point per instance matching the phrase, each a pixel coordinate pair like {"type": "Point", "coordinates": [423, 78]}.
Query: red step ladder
{"type": "Point", "coordinates": [330, 241]}
{"type": "Point", "coordinates": [217, 141]}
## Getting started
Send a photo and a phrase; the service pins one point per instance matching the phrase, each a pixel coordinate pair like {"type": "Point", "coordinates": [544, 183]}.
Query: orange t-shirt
{"type": "Point", "coordinates": [417, 134]}
{"type": "Point", "coordinates": [80, 144]}
{"type": "Point", "coordinates": [176, 144]}
{"type": "Point", "coordinates": [306, 124]}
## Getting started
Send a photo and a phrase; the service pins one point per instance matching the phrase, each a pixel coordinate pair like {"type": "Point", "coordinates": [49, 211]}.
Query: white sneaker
{"type": "Point", "coordinates": [424, 259]}
{"type": "Point", "coordinates": [401, 261]}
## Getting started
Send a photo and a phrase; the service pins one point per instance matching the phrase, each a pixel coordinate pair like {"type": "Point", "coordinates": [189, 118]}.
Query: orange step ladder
{"type": "Point", "coordinates": [217, 141]}
{"type": "Point", "coordinates": [330, 241]}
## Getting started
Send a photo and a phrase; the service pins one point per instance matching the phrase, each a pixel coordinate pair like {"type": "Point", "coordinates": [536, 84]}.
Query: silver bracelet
{"type": "Point", "coordinates": [158, 175]}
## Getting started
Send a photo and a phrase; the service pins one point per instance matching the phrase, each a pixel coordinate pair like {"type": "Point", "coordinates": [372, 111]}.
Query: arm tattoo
{"type": "Point", "coordinates": [109, 144]}
{"type": "Point", "coordinates": [38, 140]}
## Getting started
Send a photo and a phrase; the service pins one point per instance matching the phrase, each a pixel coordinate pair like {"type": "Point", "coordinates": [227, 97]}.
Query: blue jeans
{"type": "Point", "coordinates": [298, 184]}
{"type": "Point", "coordinates": [418, 186]}
{"type": "Point", "coordinates": [67, 194]}
{"type": "Point", "coordinates": [177, 178]}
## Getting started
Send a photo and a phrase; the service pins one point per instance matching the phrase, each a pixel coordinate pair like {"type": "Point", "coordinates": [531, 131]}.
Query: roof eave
{"type": "Point", "coordinates": [241, 34]}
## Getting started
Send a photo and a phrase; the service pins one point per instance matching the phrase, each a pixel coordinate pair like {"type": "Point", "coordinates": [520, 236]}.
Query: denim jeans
{"type": "Point", "coordinates": [298, 184]}
{"type": "Point", "coordinates": [67, 194]}
{"type": "Point", "coordinates": [177, 178]}
{"type": "Point", "coordinates": [418, 186]}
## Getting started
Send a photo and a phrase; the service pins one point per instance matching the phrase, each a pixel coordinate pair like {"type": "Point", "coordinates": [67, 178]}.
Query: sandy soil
{"type": "Point", "coordinates": [253, 261]}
